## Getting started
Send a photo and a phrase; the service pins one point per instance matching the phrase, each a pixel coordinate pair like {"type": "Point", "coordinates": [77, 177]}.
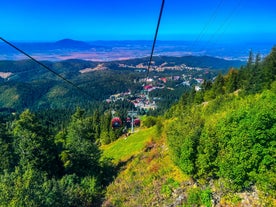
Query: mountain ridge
{"type": "Point", "coordinates": [71, 44]}
{"type": "Point", "coordinates": [116, 50]}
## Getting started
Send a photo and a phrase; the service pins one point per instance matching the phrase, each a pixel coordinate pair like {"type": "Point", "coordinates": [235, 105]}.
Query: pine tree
{"type": "Point", "coordinates": [231, 81]}
{"type": "Point", "coordinates": [105, 128]}
{"type": "Point", "coordinates": [7, 156]}
{"type": "Point", "coordinates": [269, 68]}
{"type": "Point", "coordinates": [257, 60]}
{"type": "Point", "coordinates": [33, 144]}
{"type": "Point", "coordinates": [96, 125]}
{"type": "Point", "coordinates": [81, 154]}
{"type": "Point", "coordinates": [250, 60]}
{"type": "Point", "coordinates": [218, 85]}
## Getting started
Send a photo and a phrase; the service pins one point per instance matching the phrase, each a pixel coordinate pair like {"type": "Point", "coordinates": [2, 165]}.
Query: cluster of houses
{"type": "Point", "coordinates": [139, 100]}
{"type": "Point", "coordinates": [160, 68]}
{"type": "Point", "coordinates": [185, 76]}
{"type": "Point", "coordinates": [143, 101]}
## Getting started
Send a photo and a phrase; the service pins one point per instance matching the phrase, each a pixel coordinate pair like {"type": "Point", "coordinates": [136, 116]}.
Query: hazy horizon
{"type": "Point", "coordinates": [109, 50]}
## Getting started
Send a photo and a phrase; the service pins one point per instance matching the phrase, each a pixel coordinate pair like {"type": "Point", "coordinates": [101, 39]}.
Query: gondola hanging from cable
{"type": "Point", "coordinates": [116, 123]}
{"type": "Point", "coordinates": [137, 122]}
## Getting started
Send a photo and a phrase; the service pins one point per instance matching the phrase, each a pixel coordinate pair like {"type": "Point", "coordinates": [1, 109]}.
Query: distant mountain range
{"type": "Point", "coordinates": [118, 50]}
{"type": "Point", "coordinates": [50, 46]}
{"type": "Point", "coordinates": [71, 44]}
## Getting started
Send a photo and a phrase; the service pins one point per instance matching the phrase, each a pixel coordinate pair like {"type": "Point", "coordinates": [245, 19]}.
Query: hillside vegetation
{"type": "Point", "coordinates": [147, 176]}
{"type": "Point", "coordinates": [32, 86]}
{"type": "Point", "coordinates": [222, 138]}
{"type": "Point", "coordinates": [215, 147]}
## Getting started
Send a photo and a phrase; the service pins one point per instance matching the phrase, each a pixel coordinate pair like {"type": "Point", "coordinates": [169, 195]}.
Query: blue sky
{"type": "Point", "coordinates": [195, 20]}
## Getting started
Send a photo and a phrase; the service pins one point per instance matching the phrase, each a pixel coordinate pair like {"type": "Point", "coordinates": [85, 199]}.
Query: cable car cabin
{"type": "Point", "coordinates": [116, 123]}
{"type": "Point", "coordinates": [137, 122]}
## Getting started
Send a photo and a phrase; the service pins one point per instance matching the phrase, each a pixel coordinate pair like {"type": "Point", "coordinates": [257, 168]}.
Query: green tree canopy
{"type": "Point", "coordinates": [33, 144]}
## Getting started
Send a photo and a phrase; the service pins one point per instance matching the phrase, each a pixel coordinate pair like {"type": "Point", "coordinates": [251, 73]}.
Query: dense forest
{"type": "Point", "coordinates": [222, 136]}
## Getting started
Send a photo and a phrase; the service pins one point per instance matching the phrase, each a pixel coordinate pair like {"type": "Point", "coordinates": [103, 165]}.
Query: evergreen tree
{"type": "Point", "coordinates": [183, 138]}
{"type": "Point", "coordinates": [218, 85]}
{"type": "Point", "coordinates": [206, 85]}
{"type": "Point", "coordinates": [106, 128]}
{"type": "Point", "coordinates": [257, 60]}
{"type": "Point", "coordinates": [96, 124]}
{"type": "Point", "coordinates": [7, 156]}
{"type": "Point", "coordinates": [269, 69]}
{"type": "Point", "coordinates": [231, 84]}
{"type": "Point", "coordinates": [250, 60]}
{"type": "Point", "coordinates": [23, 187]}
{"type": "Point", "coordinates": [33, 144]}
{"type": "Point", "coordinates": [199, 97]}
{"type": "Point", "coordinates": [81, 154]}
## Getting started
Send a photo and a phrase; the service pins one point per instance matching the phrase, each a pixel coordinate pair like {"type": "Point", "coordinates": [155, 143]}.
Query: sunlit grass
{"type": "Point", "coordinates": [149, 170]}
{"type": "Point", "coordinates": [125, 147]}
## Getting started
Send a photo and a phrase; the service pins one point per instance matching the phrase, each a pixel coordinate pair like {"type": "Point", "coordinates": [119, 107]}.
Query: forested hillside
{"type": "Point", "coordinates": [224, 136]}
{"type": "Point", "coordinates": [31, 86]}
{"type": "Point", "coordinates": [25, 84]}
{"type": "Point", "coordinates": [216, 146]}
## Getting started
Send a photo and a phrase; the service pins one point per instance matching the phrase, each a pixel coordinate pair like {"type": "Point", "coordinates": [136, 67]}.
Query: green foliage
{"type": "Point", "coordinates": [22, 188]}
{"type": "Point", "coordinates": [247, 136]}
{"type": "Point", "coordinates": [80, 155]}
{"type": "Point", "coordinates": [105, 131]}
{"type": "Point", "coordinates": [193, 197]}
{"type": "Point", "coordinates": [231, 138]}
{"type": "Point", "coordinates": [207, 152]}
{"type": "Point", "coordinates": [235, 140]}
{"type": "Point", "coordinates": [33, 144]}
{"type": "Point", "coordinates": [256, 77]}
{"type": "Point", "coordinates": [231, 84]}
{"type": "Point", "coordinates": [65, 171]}
{"type": "Point", "coordinates": [31, 188]}
{"type": "Point", "coordinates": [7, 155]}
{"type": "Point", "coordinates": [168, 97]}
{"type": "Point", "coordinates": [105, 128]}
{"type": "Point", "coordinates": [183, 137]}
{"type": "Point", "coordinates": [269, 69]}
{"type": "Point", "coordinates": [218, 85]}
{"type": "Point", "coordinates": [149, 121]}
{"type": "Point", "coordinates": [159, 126]}
{"type": "Point", "coordinates": [198, 197]}
{"type": "Point", "coordinates": [167, 188]}
{"type": "Point", "coordinates": [206, 197]}
{"type": "Point", "coordinates": [96, 124]}
{"type": "Point", "coordinates": [51, 161]}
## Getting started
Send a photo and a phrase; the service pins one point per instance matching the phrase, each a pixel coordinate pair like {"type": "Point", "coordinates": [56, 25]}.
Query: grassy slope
{"type": "Point", "coordinates": [126, 147]}
{"type": "Point", "coordinates": [148, 176]}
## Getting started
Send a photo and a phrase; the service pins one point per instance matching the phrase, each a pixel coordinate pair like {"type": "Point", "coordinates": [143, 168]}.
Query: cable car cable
{"type": "Point", "coordinates": [221, 30]}
{"type": "Point", "coordinates": [155, 36]}
{"type": "Point", "coordinates": [218, 32]}
{"type": "Point", "coordinates": [46, 67]}
{"type": "Point", "coordinates": [71, 83]}
{"type": "Point", "coordinates": [208, 23]}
